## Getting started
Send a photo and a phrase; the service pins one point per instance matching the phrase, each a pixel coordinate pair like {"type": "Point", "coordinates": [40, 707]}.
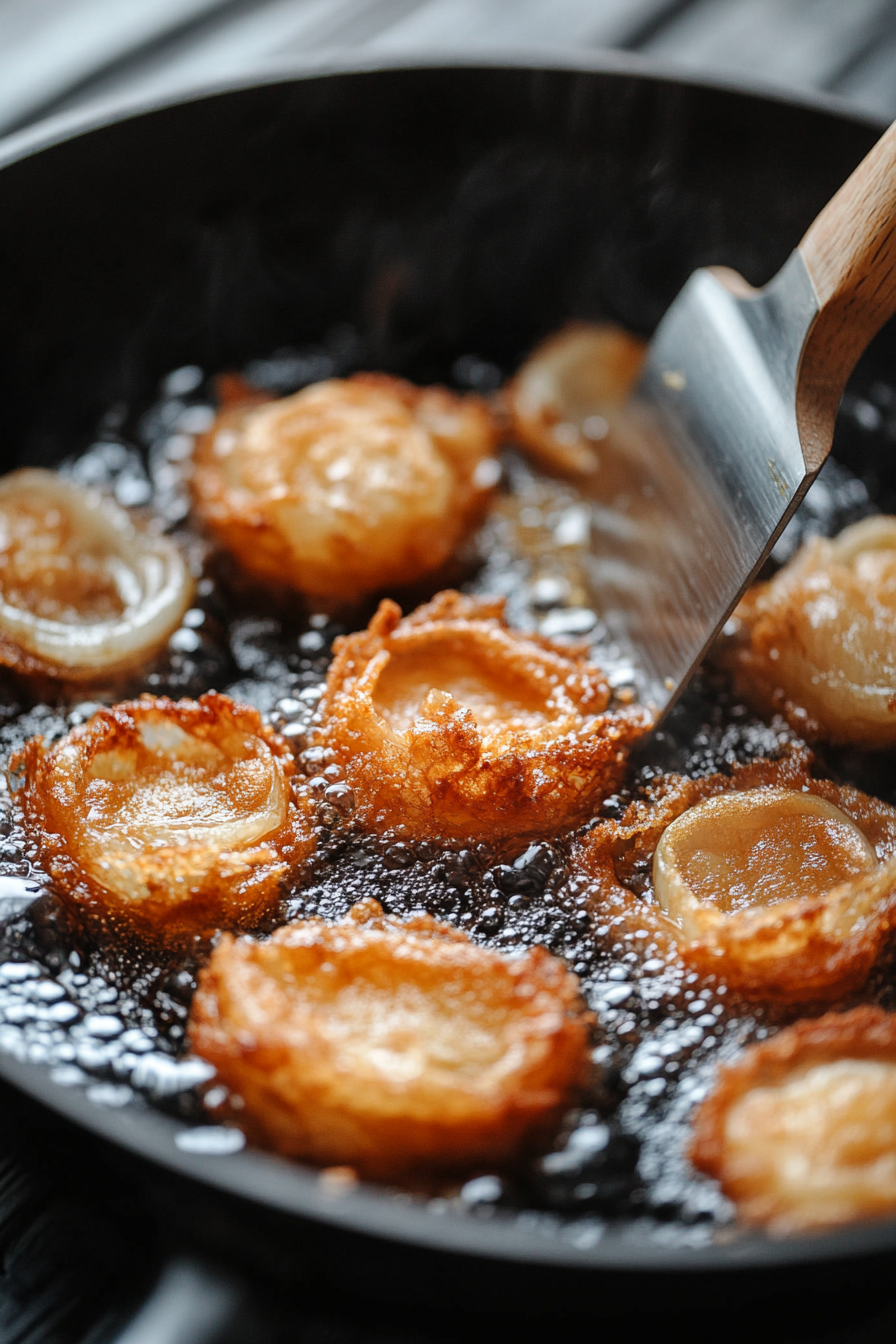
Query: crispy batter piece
{"type": "Point", "coordinates": [783, 900]}
{"type": "Point", "coordinates": [85, 594]}
{"type": "Point", "coordinates": [395, 1047]}
{"type": "Point", "coordinates": [565, 400]}
{"type": "Point", "coordinates": [165, 818]}
{"type": "Point", "coordinates": [448, 723]}
{"type": "Point", "coordinates": [348, 487]}
{"type": "Point", "coordinates": [801, 1132]}
{"type": "Point", "coordinates": [816, 643]}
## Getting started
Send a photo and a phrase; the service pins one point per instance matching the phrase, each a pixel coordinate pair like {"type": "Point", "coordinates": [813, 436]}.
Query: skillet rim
{"type": "Point", "coordinates": [59, 127]}
{"type": "Point", "coordinates": [295, 1189]}
{"type": "Point", "coordinates": [287, 1187]}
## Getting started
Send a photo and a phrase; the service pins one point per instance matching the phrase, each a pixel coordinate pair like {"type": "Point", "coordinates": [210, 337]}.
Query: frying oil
{"type": "Point", "coordinates": [114, 1023]}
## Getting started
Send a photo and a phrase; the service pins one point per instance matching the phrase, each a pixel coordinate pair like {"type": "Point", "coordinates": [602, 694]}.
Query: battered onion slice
{"type": "Point", "coordinates": [393, 1047]}
{"type": "Point", "coordinates": [170, 818]}
{"type": "Point", "coordinates": [566, 397]}
{"type": "Point", "coordinates": [448, 723]}
{"type": "Point", "coordinates": [816, 642]}
{"type": "Point", "coordinates": [84, 592]}
{"type": "Point", "coordinates": [782, 885]}
{"type": "Point", "coordinates": [801, 1132]}
{"type": "Point", "coordinates": [348, 487]}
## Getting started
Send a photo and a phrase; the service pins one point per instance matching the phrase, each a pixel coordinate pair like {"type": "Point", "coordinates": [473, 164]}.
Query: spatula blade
{"type": "Point", "coordinates": [705, 474]}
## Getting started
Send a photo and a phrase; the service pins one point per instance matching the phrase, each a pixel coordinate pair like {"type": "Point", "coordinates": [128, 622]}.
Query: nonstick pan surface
{"type": "Point", "coordinates": [440, 210]}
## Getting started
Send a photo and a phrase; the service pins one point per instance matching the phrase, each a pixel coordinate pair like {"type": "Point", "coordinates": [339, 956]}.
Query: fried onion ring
{"type": "Point", "coordinates": [782, 885]}
{"type": "Point", "coordinates": [801, 1132]}
{"type": "Point", "coordinates": [448, 723]}
{"type": "Point", "coordinates": [84, 592]}
{"type": "Point", "coordinates": [167, 818]}
{"type": "Point", "coordinates": [816, 643]}
{"type": "Point", "coordinates": [348, 487]}
{"type": "Point", "coordinates": [395, 1047]}
{"type": "Point", "coordinates": [564, 400]}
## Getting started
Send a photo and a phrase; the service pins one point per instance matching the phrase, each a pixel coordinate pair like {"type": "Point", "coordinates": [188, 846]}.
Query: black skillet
{"type": "Point", "coordinates": [441, 210]}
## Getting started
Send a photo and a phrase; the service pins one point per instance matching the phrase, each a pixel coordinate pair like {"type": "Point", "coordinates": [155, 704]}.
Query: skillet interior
{"type": "Point", "coordinates": [441, 211]}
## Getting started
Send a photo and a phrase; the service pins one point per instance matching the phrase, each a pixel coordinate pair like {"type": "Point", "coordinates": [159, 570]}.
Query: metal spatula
{"type": "Point", "coordinates": [731, 421]}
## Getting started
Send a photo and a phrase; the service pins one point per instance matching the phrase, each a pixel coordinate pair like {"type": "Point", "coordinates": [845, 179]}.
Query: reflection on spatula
{"type": "Point", "coordinates": [731, 421]}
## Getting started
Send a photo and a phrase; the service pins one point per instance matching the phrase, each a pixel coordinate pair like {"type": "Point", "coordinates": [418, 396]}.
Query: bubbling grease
{"type": "Point", "coordinates": [815, 643]}
{"type": "Point", "coordinates": [801, 1132]}
{"type": "Point", "coordinates": [165, 819]}
{"type": "Point", "coordinates": [85, 593]}
{"type": "Point", "coordinates": [396, 1047]}
{"type": "Point", "coordinates": [347, 487]}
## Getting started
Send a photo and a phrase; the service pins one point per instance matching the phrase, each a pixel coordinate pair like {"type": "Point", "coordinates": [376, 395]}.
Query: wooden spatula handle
{"type": "Point", "coordinates": [850, 254]}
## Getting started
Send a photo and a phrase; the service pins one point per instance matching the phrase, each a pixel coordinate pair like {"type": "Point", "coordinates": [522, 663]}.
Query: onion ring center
{"type": "Point", "coordinates": [496, 703]}
{"type": "Point", "coordinates": [756, 848]}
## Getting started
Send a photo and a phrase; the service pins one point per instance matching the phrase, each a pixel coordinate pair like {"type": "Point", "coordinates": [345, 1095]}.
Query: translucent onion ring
{"type": "Point", "coordinates": [812, 948]}
{"type": "Point", "coordinates": [732, 851]}
{"type": "Point", "coordinates": [146, 575]}
{"type": "Point", "coordinates": [449, 723]}
{"type": "Point", "coordinates": [565, 400]}
{"type": "Point", "coordinates": [165, 819]}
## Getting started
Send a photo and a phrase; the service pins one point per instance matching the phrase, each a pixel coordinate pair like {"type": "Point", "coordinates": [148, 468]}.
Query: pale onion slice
{"type": "Point", "coordinates": [741, 850]}
{"type": "Point", "coordinates": [83, 590]}
{"type": "Point", "coordinates": [564, 400]}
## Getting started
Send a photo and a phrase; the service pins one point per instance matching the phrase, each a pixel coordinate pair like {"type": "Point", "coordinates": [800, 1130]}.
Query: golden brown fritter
{"type": "Point", "coordinates": [448, 723]}
{"type": "Point", "coordinates": [84, 593]}
{"type": "Point", "coordinates": [816, 642]}
{"type": "Point", "coordinates": [165, 818]}
{"type": "Point", "coordinates": [565, 400]}
{"type": "Point", "coordinates": [349, 486]}
{"type": "Point", "coordinates": [801, 1132]}
{"type": "Point", "coordinates": [782, 885]}
{"type": "Point", "coordinates": [394, 1047]}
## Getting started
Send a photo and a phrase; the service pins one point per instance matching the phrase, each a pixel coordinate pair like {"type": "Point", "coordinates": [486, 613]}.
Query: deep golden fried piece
{"type": "Point", "coordinates": [167, 818]}
{"type": "Point", "coordinates": [84, 593]}
{"type": "Point", "coordinates": [801, 1132]}
{"type": "Point", "coordinates": [347, 487]}
{"type": "Point", "coordinates": [816, 642]}
{"type": "Point", "coordinates": [782, 885]}
{"type": "Point", "coordinates": [393, 1047]}
{"type": "Point", "coordinates": [565, 399]}
{"type": "Point", "coordinates": [448, 723]}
